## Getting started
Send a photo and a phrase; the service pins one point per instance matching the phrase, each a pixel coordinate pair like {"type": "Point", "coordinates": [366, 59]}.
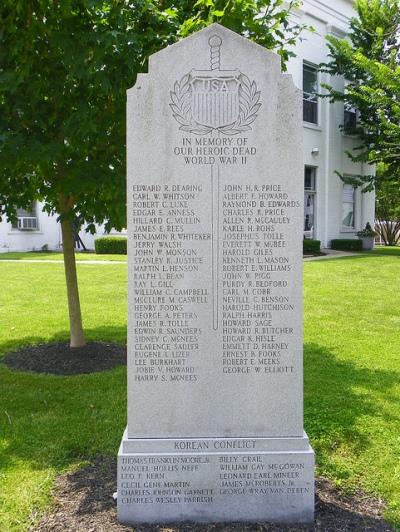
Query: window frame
{"type": "Point", "coordinates": [312, 66]}
{"type": "Point", "coordinates": [24, 213]}
{"type": "Point", "coordinates": [313, 192]}
{"type": "Point", "coordinates": [349, 111]}
{"type": "Point", "coordinates": [345, 228]}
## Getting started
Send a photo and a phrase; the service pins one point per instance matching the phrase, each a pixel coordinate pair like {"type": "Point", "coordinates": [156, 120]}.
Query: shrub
{"type": "Point", "coordinates": [367, 232]}
{"type": "Point", "coordinates": [311, 246]}
{"type": "Point", "coordinates": [346, 244]}
{"type": "Point", "coordinates": [111, 245]}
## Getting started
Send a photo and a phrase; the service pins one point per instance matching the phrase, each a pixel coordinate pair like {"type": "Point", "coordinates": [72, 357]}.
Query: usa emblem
{"type": "Point", "coordinates": [215, 100]}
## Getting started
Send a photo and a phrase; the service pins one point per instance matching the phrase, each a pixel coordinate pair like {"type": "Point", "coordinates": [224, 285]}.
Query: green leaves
{"type": "Point", "coordinates": [64, 70]}
{"type": "Point", "coordinates": [370, 65]}
{"type": "Point", "coordinates": [265, 22]}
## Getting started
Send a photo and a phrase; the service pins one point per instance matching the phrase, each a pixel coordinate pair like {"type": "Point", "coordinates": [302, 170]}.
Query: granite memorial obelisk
{"type": "Point", "coordinates": [215, 329]}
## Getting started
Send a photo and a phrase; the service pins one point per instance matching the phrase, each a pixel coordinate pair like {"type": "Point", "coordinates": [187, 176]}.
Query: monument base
{"type": "Point", "coordinates": [215, 480]}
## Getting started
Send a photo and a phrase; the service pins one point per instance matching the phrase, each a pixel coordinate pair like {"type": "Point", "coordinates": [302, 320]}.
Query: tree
{"type": "Point", "coordinates": [64, 69]}
{"type": "Point", "coordinates": [388, 208]}
{"type": "Point", "coordinates": [369, 62]}
{"type": "Point", "coordinates": [266, 22]}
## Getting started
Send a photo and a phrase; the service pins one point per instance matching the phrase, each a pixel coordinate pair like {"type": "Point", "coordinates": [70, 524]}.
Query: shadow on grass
{"type": "Point", "coordinates": [51, 422]}
{"type": "Point", "coordinates": [337, 395]}
{"type": "Point", "coordinates": [389, 251]}
{"type": "Point", "coordinates": [54, 421]}
{"type": "Point", "coordinates": [104, 334]}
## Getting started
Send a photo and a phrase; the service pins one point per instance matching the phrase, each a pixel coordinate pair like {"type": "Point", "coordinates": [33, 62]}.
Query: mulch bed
{"type": "Point", "coordinates": [60, 359]}
{"type": "Point", "coordinates": [83, 502]}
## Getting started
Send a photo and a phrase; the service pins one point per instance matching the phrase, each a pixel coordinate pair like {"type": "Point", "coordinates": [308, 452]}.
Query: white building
{"type": "Point", "coordinates": [36, 231]}
{"type": "Point", "coordinates": [332, 209]}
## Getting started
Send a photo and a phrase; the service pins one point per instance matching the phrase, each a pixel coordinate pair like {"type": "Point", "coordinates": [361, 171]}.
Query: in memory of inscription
{"type": "Point", "coordinates": [215, 425]}
{"type": "Point", "coordinates": [217, 101]}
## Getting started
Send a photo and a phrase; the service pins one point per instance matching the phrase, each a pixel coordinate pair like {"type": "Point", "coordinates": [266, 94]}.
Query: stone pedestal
{"type": "Point", "coordinates": [215, 480]}
{"type": "Point", "coordinates": [215, 329]}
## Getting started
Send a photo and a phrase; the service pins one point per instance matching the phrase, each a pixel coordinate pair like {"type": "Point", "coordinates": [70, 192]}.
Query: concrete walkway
{"type": "Point", "coordinates": [332, 254]}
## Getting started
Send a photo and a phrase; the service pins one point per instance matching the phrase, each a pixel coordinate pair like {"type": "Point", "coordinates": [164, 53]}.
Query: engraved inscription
{"type": "Point", "coordinates": [215, 416]}
{"type": "Point", "coordinates": [250, 276]}
{"type": "Point", "coordinates": [171, 480]}
{"type": "Point", "coordinates": [225, 101]}
{"type": "Point", "coordinates": [167, 329]}
{"type": "Point", "coordinates": [256, 280]}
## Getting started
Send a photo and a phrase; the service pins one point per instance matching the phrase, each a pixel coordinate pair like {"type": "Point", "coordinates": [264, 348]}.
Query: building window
{"type": "Point", "coordinates": [310, 98]}
{"type": "Point", "coordinates": [350, 117]}
{"type": "Point", "coordinates": [309, 200]}
{"type": "Point", "coordinates": [27, 219]}
{"type": "Point", "coordinates": [348, 207]}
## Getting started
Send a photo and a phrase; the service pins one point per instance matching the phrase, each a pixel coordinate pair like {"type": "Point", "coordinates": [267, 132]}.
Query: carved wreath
{"type": "Point", "coordinates": [249, 98]}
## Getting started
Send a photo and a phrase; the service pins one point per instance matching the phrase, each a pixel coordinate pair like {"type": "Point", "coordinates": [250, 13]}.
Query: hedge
{"type": "Point", "coordinates": [311, 246]}
{"type": "Point", "coordinates": [346, 244]}
{"type": "Point", "coordinates": [115, 245]}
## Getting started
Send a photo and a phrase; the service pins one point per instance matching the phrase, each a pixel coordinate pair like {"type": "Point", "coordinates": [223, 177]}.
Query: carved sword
{"type": "Point", "coordinates": [215, 60]}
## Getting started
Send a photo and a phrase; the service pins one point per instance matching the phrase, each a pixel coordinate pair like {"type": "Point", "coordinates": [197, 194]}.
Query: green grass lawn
{"type": "Point", "coordinates": [352, 371]}
{"type": "Point", "coordinates": [51, 424]}
{"type": "Point", "coordinates": [385, 250]}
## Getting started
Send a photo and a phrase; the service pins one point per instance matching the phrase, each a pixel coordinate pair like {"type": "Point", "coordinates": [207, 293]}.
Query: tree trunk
{"type": "Point", "coordinates": [74, 307]}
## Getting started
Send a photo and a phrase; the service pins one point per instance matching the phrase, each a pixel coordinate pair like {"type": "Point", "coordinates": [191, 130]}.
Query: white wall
{"type": "Point", "coordinates": [328, 17]}
{"type": "Point", "coordinates": [47, 234]}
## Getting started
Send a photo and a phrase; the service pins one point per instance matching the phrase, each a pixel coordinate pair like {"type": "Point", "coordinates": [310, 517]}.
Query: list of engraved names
{"type": "Point", "coordinates": [256, 278]}
{"type": "Point", "coordinates": [167, 261]}
{"type": "Point", "coordinates": [172, 239]}
{"type": "Point", "coordinates": [158, 479]}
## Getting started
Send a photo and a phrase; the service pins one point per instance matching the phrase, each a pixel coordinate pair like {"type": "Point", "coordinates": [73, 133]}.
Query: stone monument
{"type": "Point", "coordinates": [215, 333]}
